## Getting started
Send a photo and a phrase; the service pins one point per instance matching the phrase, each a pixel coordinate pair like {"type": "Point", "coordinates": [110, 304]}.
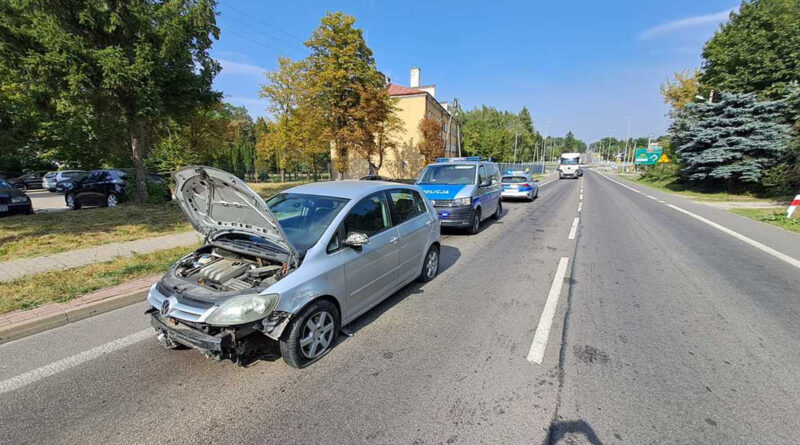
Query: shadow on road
{"type": "Point", "coordinates": [568, 431]}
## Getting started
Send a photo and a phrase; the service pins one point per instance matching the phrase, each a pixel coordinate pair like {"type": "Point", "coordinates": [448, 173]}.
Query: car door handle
{"type": "Point", "coordinates": [428, 222]}
{"type": "Point", "coordinates": [393, 240]}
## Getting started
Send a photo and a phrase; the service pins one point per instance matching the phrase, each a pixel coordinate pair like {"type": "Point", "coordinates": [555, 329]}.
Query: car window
{"type": "Point", "coordinates": [514, 179]}
{"type": "Point", "coordinates": [369, 216]}
{"type": "Point", "coordinates": [481, 175]}
{"type": "Point", "coordinates": [304, 218]}
{"type": "Point", "coordinates": [405, 204]}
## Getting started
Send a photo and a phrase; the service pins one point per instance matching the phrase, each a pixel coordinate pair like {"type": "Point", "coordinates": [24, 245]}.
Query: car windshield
{"type": "Point", "coordinates": [569, 161]}
{"type": "Point", "coordinates": [4, 184]}
{"type": "Point", "coordinates": [304, 217]}
{"type": "Point", "coordinates": [447, 174]}
{"type": "Point", "coordinates": [514, 179]}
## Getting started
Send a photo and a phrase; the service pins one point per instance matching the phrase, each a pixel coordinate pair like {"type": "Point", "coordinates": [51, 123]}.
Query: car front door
{"type": "Point", "coordinates": [413, 223]}
{"type": "Point", "coordinates": [488, 205]}
{"type": "Point", "coordinates": [371, 270]}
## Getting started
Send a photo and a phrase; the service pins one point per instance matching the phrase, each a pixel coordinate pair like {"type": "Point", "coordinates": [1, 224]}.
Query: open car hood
{"type": "Point", "coordinates": [217, 201]}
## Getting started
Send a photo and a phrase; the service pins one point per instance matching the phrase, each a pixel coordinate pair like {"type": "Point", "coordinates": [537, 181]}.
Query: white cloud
{"type": "Point", "coordinates": [689, 22]}
{"type": "Point", "coordinates": [241, 69]}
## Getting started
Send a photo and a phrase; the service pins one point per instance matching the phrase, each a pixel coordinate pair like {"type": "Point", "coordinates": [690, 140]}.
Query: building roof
{"type": "Point", "coordinates": [398, 90]}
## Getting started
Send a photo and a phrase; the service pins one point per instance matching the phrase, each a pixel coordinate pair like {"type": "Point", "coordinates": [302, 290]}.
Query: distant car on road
{"type": "Point", "coordinates": [13, 201]}
{"type": "Point", "coordinates": [106, 188]}
{"type": "Point", "coordinates": [464, 191]}
{"type": "Point", "coordinates": [28, 181]}
{"type": "Point", "coordinates": [519, 185]}
{"type": "Point", "coordinates": [293, 269]}
{"type": "Point", "coordinates": [51, 179]}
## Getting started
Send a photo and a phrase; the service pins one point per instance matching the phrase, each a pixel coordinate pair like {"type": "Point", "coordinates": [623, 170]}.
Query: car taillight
{"type": "Point", "coordinates": [525, 185]}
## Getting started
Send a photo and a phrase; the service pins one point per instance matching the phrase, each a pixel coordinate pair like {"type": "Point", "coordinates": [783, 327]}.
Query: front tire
{"type": "Point", "coordinates": [475, 225]}
{"type": "Point", "coordinates": [499, 210]}
{"type": "Point", "coordinates": [430, 267]}
{"type": "Point", "coordinates": [310, 335]}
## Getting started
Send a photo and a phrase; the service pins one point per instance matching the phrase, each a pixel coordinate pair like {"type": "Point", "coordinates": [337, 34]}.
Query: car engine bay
{"type": "Point", "coordinates": [222, 270]}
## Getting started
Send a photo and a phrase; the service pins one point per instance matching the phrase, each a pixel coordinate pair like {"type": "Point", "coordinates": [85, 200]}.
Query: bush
{"type": "Point", "coordinates": [157, 192]}
{"type": "Point", "coordinates": [661, 172]}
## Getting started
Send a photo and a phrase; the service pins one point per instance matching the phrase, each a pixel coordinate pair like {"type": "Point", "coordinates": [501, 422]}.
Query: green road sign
{"type": "Point", "coordinates": [648, 156]}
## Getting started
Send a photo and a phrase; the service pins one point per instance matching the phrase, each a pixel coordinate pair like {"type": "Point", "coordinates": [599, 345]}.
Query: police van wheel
{"type": "Point", "coordinates": [499, 211]}
{"type": "Point", "coordinates": [476, 222]}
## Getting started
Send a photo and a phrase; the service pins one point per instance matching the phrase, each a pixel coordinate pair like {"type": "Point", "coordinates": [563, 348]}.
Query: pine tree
{"type": "Point", "coordinates": [733, 141]}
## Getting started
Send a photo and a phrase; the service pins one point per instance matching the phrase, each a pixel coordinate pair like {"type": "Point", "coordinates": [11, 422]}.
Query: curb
{"type": "Point", "coordinates": [42, 323]}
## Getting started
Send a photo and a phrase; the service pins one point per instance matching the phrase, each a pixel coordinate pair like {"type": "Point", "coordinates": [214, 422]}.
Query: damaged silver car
{"type": "Point", "coordinates": [293, 269]}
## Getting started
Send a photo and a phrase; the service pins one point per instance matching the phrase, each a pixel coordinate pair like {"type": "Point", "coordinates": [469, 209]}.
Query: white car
{"type": "Point", "coordinates": [519, 185]}
{"type": "Point", "coordinates": [50, 180]}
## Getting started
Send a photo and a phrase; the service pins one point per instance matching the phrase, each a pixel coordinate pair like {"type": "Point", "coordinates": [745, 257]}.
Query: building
{"type": "Point", "coordinates": [414, 103]}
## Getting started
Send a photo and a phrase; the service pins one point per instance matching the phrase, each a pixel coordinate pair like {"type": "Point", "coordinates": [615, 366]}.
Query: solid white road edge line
{"type": "Point", "coordinates": [536, 353]}
{"type": "Point", "coordinates": [762, 247]}
{"type": "Point", "coordinates": [73, 361]}
{"type": "Point", "coordinates": [574, 229]}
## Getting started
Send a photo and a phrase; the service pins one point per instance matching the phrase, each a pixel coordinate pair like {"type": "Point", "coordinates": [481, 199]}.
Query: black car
{"type": "Point", "coordinates": [13, 201]}
{"type": "Point", "coordinates": [31, 180]}
{"type": "Point", "coordinates": [104, 188]}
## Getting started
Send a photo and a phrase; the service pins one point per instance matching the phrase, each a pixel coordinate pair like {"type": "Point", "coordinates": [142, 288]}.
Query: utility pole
{"type": "Point", "coordinates": [627, 138]}
{"type": "Point", "coordinates": [450, 121]}
{"type": "Point", "coordinates": [516, 136]}
{"type": "Point", "coordinates": [544, 144]}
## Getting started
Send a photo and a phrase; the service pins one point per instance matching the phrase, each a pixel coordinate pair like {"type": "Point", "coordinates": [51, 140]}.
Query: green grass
{"type": "Point", "coordinates": [65, 285]}
{"type": "Point", "coordinates": [672, 185]}
{"type": "Point", "coordinates": [46, 233]}
{"type": "Point", "coordinates": [775, 216]}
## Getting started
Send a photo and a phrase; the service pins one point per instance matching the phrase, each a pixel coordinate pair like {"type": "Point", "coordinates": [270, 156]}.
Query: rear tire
{"type": "Point", "coordinates": [111, 200]}
{"type": "Point", "coordinates": [430, 267]}
{"type": "Point", "coordinates": [499, 210]}
{"type": "Point", "coordinates": [72, 202]}
{"type": "Point", "coordinates": [323, 316]}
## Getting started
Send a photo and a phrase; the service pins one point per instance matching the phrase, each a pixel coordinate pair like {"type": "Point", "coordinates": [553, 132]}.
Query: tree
{"type": "Point", "coordinates": [733, 141]}
{"type": "Point", "coordinates": [756, 51]}
{"type": "Point", "coordinates": [341, 68]}
{"type": "Point", "coordinates": [285, 90]}
{"type": "Point", "coordinates": [431, 143]}
{"type": "Point", "coordinates": [682, 90]}
{"type": "Point", "coordinates": [129, 64]}
{"type": "Point", "coordinates": [378, 123]}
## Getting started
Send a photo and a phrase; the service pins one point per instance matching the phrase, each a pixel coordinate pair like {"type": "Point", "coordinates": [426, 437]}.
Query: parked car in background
{"type": "Point", "coordinates": [519, 185]}
{"type": "Point", "coordinates": [106, 188]}
{"type": "Point", "coordinates": [293, 269]}
{"type": "Point", "coordinates": [464, 191]}
{"type": "Point", "coordinates": [51, 179]}
{"type": "Point", "coordinates": [13, 201]}
{"type": "Point", "coordinates": [68, 183]}
{"type": "Point", "coordinates": [28, 181]}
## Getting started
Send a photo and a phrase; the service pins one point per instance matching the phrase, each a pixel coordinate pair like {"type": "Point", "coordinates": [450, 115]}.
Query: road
{"type": "Point", "coordinates": [665, 329]}
{"type": "Point", "coordinates": [44, 201]}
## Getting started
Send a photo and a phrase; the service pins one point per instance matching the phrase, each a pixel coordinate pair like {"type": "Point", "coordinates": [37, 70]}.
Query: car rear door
{"type": "Point", "coordinates": [413, 224]}
{"type": "Point", "coordinates": [371, 271]}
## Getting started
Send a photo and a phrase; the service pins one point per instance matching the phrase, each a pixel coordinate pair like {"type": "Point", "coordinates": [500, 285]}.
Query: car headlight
{"type": "Point", "coordinates": [18, 199]}
{"type": "Point", "coordinates": [462, 202]}
{"type": "Point", "coordinates": [244, 309]}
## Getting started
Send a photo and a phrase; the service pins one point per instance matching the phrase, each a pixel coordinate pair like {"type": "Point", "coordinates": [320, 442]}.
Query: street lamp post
{"type": "Point", "coordinates": [627, 138]}
{"type": "Point", "coordinates": [544, 144]}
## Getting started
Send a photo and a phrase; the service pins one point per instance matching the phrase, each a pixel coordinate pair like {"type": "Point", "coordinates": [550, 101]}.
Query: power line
{"type": "Point", "coordinates": [272, 38]}
{"type": "Point", "coordinates": [278, 51]}
{"type": "Point", "coordinates": [251, 16]}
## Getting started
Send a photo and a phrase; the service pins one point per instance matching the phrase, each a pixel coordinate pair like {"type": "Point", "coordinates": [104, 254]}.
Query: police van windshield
{"type": "Point", "coordinates": [569, 161]}
{"type": "Point", "coordinates": [447, 174]}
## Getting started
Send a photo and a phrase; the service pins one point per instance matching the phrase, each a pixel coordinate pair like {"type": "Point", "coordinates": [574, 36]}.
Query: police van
{"type": "Point", "coordinates": [464, 191]}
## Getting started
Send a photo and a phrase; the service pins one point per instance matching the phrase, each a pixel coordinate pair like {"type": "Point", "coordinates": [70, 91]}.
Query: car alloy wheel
{"type": "Point", "coordinates": [111, 200]}
{"type": "Point", "coordinates": [476, 222]}
{"type": "Point", "coordinates": [317, 335]}
{"type": "Point", "coordinates": [432, 264]}
{"type": "Point", "coordinates": [71, 201]}
{"type": "Point", "coordinates": [499, 210]}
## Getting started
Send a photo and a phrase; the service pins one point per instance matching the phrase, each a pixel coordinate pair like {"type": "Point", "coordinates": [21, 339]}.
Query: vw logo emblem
{"type": "Point", "coordinates": [165, 307]}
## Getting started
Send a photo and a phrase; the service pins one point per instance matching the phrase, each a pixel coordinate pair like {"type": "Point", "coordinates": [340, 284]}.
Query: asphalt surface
{"type": "Point", "coordinates": [665, 330]}
{"type": "Point", "coordinates": [45, 201]}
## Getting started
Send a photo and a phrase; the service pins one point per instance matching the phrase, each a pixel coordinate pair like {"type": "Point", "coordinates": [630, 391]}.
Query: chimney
{"type": "Point", "coordinates": [414, 77]}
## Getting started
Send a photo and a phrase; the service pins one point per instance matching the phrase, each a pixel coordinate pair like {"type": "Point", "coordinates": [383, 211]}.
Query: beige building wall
{"type": "Point", "coordinates": [405, 161]}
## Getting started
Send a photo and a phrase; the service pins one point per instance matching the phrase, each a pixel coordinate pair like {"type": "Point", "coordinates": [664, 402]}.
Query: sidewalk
{"type": "Point", "coordinates": [21, 323]}
{"type": "Point", "coordinates": [11, 270]}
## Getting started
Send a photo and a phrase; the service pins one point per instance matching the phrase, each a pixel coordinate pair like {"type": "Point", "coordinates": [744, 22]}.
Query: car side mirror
{"type": "Point", "coordinates": [486, 183]}
{"type": "Point", "coordinates": [535, 180]}
{"type": "Point", "coordinates": [356, 240]}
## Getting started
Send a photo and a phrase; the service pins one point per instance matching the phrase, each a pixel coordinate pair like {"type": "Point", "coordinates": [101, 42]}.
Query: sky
{"type": "Point", "coordinates": [584, 66]}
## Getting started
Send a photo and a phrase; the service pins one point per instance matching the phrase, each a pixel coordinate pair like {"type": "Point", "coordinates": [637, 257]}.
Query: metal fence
{"type": "Point", "coordinates": [530, 167]}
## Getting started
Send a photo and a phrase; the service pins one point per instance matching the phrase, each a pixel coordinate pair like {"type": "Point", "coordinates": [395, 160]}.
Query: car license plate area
{"type": "Point", "coordinates": [3, 208]}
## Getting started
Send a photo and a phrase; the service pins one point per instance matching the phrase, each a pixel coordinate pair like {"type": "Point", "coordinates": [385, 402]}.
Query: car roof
{"type": "Point", "coordinates": [348, 189]}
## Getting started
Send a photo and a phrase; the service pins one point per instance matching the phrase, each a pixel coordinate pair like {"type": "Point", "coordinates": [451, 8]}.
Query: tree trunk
{"type": "Point", "coordinates": [138, 152]}
{"type": "Point", "coordinates": [283, 175]}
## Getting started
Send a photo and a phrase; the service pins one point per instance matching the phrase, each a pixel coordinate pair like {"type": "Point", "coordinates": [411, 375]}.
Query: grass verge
{"type": "Point", "coordinates": [64, 285]}
{"type": "Point", "coordinates": [673, 186]}
{"type": "Point", "coordinates": [775, 216]}
{"type": "Point", "coordinates": [47, 233]}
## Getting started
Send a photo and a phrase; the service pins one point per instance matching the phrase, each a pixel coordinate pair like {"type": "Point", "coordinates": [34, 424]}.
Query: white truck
{"type": "Point", "coordinates": [570, 166]}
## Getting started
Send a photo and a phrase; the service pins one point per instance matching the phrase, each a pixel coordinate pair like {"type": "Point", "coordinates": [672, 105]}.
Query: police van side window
{"type": "Point", "coordinates": [481, 176]}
